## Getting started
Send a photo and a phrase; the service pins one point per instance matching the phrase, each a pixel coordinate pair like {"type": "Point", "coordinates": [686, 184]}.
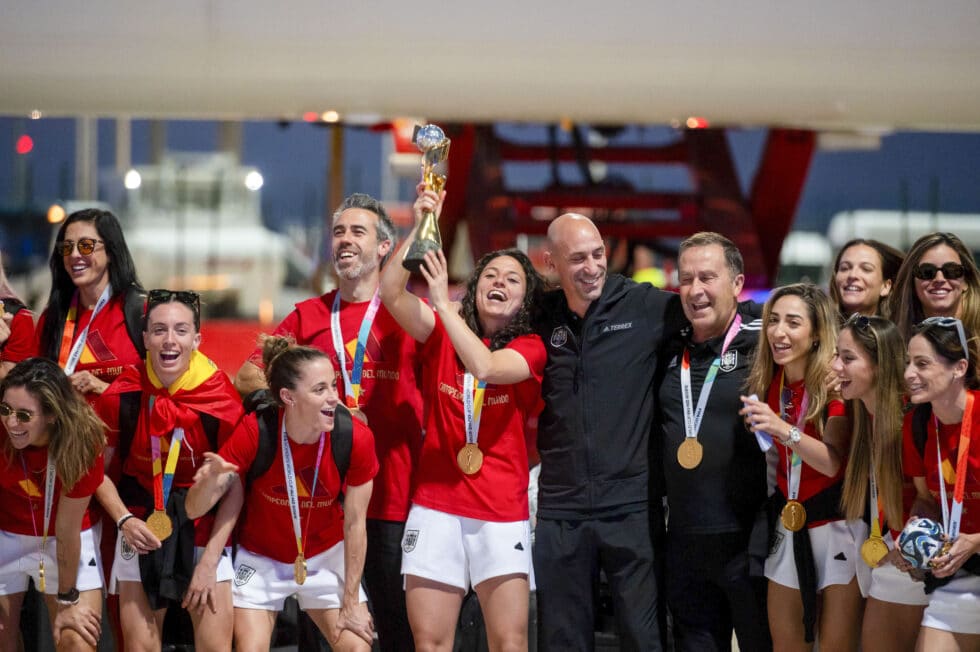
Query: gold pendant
{"type": "Point", "coordinates": [159, 524]}
{"type": "Point", "coordinates": [299, 569]}
{"type": "Point", "coordinates": [470, 459]}
{"type": "Point", "coordinates": [40, 572]}
{"type": "Point", "coordinates": [873, 551]}
{"type": "Point", "coordinates": [793, 516]}
{"type": "Point", "coordinates": [690, 453]}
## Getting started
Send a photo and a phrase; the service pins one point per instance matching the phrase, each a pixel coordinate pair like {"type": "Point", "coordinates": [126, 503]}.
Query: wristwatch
{"type": "Point", "coordinates": [69, 597]}
{"type": "Point", "coordinates": [794, 436]}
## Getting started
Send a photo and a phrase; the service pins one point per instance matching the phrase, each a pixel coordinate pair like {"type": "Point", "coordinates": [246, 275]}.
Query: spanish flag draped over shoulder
{"type": "Point", "coordinates": [203, 388]}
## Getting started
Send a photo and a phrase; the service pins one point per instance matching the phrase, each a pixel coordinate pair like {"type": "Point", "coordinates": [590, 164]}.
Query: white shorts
{"type": "Point", "coordinates": [263, 583]}
{"type": "Point", "coordinates": [956, 606]}
{"type": "Point", "coordinates": [464, 552]}
{"type": "Point", "coordinates": [834, 555]}
{"type": "Point", "coordinates": [126, 565]}
{"type": "Point", "coordinates": [889, 584]}
{"type": "Point", "coordinates": [20, 558]}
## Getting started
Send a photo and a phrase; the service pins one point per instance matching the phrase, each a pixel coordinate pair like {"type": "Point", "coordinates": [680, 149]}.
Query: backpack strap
{"type": "Point", "coordinates": [920, 427]}
{"type": "Point", "coordinates": [129, 414]}
{"type": "Point", "coordinates": [12, 305]}
{"type": "Point", "coordinates": [342, 443]}
{"type": "Point", "coordinates": [134, 304]}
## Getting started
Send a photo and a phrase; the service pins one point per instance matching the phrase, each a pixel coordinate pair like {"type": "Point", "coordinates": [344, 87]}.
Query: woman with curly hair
{"type": "Point", "coordinates": [52, 465]}
{"type": "Point", "coordinates": [938, 279]}
{"type": "Point", "coordinates": [482, 368]}
{"type": "Point", "coordinates": [809, 428]}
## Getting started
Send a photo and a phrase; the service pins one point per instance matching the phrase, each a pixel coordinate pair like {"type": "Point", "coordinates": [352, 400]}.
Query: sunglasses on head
{"type": "Point", "coordinates": [187, 297]}
{"type": "Point", "coordinates": [928, 271]}
{"type": "Point", "coordinates": [85, 246]}
{"type": "Point", "coordinates": [24, 416]}
{"type": "Point", "coordinates": [946, 322]}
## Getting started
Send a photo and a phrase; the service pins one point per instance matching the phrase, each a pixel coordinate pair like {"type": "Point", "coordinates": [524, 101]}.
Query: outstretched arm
{"type": "Point", "coordinates": [212, 480]}
{"type": "Point", "coordinates": [354, 615]}
{"type": "Point", "coordinates": [502, 366]}
{"type": "Point", "coordinates": [407, 309]}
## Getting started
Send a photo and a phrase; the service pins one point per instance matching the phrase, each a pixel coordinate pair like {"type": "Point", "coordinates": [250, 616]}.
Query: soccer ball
{"type": "Point", "coordinates": [920, 541]}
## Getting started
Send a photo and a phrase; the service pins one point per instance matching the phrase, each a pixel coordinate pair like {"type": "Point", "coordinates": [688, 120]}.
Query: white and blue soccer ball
{"type": "Point", "coordinates": [920, 541]}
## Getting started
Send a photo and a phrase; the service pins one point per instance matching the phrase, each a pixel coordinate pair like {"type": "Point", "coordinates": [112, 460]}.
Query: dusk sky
{"type": "Point", "coordinates": [293, 161]}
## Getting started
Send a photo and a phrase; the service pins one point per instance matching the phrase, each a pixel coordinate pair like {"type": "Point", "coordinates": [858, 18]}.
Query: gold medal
{"type": "Point", "coordinates": [689, 453]}
{"type": "Point", "coordinates": [299, 569]}
{"type": "Point", "coordinates": [470, 459]}
{"type": "Point", "coordinates": [873, 551]}
{"type": "Point", "coordinates": [40, 576]}
{"type": "Point", "coordinates": [358, 414]}
{"type": "Point", "coordinates": [793, 516]}
{"type": "Point", "coordinates": [160, 525]}
{"type": "Point", "coordinates": [942, 551]}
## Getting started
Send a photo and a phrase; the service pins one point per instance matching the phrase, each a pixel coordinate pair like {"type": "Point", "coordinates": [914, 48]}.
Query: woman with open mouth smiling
{"type": "Point", "coordinates": [163, 416]}
{"type": "Point", "coordinates": [482, 367]}
{"type": "Point", "coordinates": [870, 368]}
{"type": "Point", "coordinates": [795, 348]}
{"type": "Point", "coordinates": [939, 278]}
{"type": "Point", "coordinates": [864, 272]}
{"type": "Point", "coordinates": [943, 459]}
{"type": "Point", "coordinates": [51, 462]}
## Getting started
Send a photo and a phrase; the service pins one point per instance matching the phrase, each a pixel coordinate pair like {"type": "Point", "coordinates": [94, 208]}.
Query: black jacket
{"type": "Point", "coordinates": [594, 432]}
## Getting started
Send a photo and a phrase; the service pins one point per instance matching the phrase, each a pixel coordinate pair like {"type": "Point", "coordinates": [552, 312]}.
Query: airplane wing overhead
{"type": "Point", "coordinates": [876, 64]}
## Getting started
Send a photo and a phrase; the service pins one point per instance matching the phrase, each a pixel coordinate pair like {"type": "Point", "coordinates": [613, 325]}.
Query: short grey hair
{"type": "Point", "coordinates": [386, 228]}
{"type": "Point", "coordinates": [733, 257]}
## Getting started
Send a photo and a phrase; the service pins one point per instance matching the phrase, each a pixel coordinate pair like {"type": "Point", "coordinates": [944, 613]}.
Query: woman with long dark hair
{"type": "Point", "coordinates": [870, 369]}
{"type": "Point", "coordinates": [810, 430]}
{"type": "Point", "coordinates": [482, 369]}
{"type": "Point", "coordinates": [864, 272]}
{"type": "Point", "coordinates": [93, 279]}
{"type": "Point", "coordinates": [50, 465]}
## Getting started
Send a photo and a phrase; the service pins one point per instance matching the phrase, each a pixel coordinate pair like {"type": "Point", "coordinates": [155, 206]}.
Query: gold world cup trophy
{"type": "Point", "coordinates": [432, 142]}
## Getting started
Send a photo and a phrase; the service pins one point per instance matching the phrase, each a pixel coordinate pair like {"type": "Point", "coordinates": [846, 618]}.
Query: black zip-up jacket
{"type": "Point", "coordinates": [594, 432]}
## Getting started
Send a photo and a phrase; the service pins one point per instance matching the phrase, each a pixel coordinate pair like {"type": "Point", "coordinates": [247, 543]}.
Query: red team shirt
{"type": "Point", "coordinates": [498, 491]}
{"type": "Point", "coordinates": [20, 345]}
{"type": "Point", "coordinates": [812, 481]}
{"type": "Point", "coordinates": [21, 496]}
{"type": "Point", "coordinates": [949, 441]}
{"type": "Point", "coordinates": [266, 527]}
{"type": "Point", "coordinates": [389, 390]}
{"type": "Point", "coordinates": [108, 349]}
{"type": "Point", "coordinates": [139, 462]}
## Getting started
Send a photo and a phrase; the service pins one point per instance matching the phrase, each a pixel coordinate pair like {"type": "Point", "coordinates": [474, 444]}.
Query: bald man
{"type": "Point", "coordinates": [603, 333]}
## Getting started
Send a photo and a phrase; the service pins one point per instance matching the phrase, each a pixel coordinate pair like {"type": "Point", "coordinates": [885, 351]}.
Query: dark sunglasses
{"type": "Point", "coordinates": [85, 246]}
{"type": "Point", "coordinates": [928, 271]}
{"type": "Point", "coordinates": [946, 322]}
{"type": "Point", "coordinates": [186, 297]}
{"type": "Point", "coordinates": [24, 416]}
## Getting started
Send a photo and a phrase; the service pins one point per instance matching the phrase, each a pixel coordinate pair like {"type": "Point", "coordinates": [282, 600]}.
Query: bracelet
{"type": "Point", "coordinates": [69, 597]}
{"type": "Point", "coordinates": [122, 519]}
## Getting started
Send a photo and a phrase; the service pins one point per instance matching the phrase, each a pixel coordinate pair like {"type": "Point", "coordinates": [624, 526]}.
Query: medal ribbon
{"type": "Point", "coordinates": [352, 382]}
{"type": "Point", "coordinates": [794, 465]}
{"type": "Point", "coordinates": [952, 517]}
{"type": "Point", "coordinates": [873, 504]}
{"type": "Point", "coordinates": [49, 479]}
{"type": "Point", "coordinates": [472, 406]}
{"type": "Point", "coordinates": [692, 415]}
{"type": "Point", "coordinates": [291, 493]}
{"type": "Point", "coordinates": [163, 478]}
{"type": "Point", "coordinates": [68, 361]}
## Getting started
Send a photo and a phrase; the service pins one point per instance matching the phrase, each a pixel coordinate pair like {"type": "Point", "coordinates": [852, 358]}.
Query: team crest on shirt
{"type": "Point", "coordinates": [126, 551]}
{"type": "Point", "coordinates": [411, 538]}
{"type": "Point", "coordinates": [673, 362]}
{"type": "Point", "coordinates": [729, 361]}
{"type": "Point", "coordinates": [243, 574]}
{"type": "Point", "coordinates": [559, 336]}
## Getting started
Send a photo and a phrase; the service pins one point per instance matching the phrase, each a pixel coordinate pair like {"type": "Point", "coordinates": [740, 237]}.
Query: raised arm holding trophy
{"type": "Point", "coordinates": [432, 142]}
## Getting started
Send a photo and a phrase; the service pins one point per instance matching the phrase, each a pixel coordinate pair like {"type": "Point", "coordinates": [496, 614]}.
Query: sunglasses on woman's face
{"type": "Point", "coordinates": [85, 246]}
{"type": "Point", "coordinates": [928, 271]}
{"type": "Point", "coordinates": [24, 416]}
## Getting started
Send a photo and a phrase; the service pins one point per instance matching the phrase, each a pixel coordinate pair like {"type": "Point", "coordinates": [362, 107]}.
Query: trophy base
{"type": "Point", "coordinates": [414, 257]}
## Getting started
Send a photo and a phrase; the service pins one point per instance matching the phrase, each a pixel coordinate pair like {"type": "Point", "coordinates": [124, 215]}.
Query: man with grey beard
{"type": "Point", "coordinates": [351, 326]}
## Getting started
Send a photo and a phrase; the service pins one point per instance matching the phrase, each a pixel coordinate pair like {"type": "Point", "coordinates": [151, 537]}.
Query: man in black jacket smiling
{"type": "Point", "coordinates": [603, 335]}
